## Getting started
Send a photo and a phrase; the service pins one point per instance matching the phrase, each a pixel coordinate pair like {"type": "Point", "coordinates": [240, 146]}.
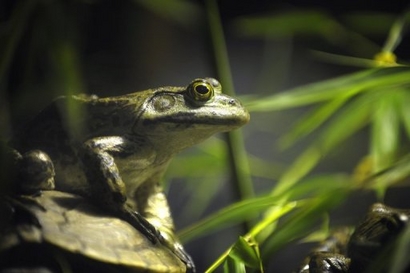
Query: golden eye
{"type": "Point", "coordinates": [200, 90]}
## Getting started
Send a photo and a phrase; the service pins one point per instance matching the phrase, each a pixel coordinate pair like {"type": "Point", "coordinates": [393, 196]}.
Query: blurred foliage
{"type": "Point", "coordinates": [376, 98]}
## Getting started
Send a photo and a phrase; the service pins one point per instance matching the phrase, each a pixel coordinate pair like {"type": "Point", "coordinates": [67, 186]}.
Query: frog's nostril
{"type": "Point", "coordinates": [232, 102]}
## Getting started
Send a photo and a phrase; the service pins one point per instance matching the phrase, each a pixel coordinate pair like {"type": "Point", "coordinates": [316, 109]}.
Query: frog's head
{"type": "Point", "coordinates": [181, 117]}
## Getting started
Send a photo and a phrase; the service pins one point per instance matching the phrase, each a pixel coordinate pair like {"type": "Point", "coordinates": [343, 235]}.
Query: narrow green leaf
{"type": "Point", "coordinates": [393, 174]}
{"type": "Point", "coordinates": [349, 120]}
{"type": "Point", "coordinates": [385, 131]}
{"type": "Point", "coordinates": [301, 166]}
{"type": "Point", "coordinates": [302, 221]}
{"type": "Point", "coordinates": [330, 89]}
{"type": "Point", "coordinates": [396, 32]}
{"type": "Point", "coordinates": [228, 216]}
{"type": "Point", "coordinates": [404, 110]}
{"type": "Point", "coordinates": [233, 266]}
{"type": "Point", "coordinates": [185, 13]}
{"type": "Point", "coordinates": [360, 22]}
{"type": "Point", "coordinates": [400, 258]}
{"type": "Point", "coordinates": [265, 169]}
{"type": "Point", "coordinates": [313, 120]}
{"type": "Point", "coordinates": [246, 251]}
{"type": "Point", "coordinates": [304, 22]}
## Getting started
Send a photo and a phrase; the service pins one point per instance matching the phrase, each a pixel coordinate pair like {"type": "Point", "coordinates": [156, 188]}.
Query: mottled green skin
{"type": "Point", "coordinates": [344, 252]}
{"type": "Point", "coordinates": [115, 150]}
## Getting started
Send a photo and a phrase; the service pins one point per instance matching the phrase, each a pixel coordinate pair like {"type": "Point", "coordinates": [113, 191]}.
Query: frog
{"type": "Point", "coordinates": [116, 149]}
{"type": "Point", "coordinates": [347, 251]}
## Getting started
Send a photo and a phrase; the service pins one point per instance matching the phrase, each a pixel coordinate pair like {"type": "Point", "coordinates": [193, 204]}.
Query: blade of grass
{"type": "Point", "coordinates": [273, 217]}
{"type": "Point", "coordinates": [186, 13]}
{"type": "Point", "coordinates": [301, 166]}
{"type": "Point", "coordinates": [396, 32]}
{"type": "Point", "coordinates": [303, 22]}
{"type": "Point", "coordinates": [311, 121]}
{"type": "Point", "coordinates": [302, 222]}
{"type": "Point", "coordinates": [404, 109]}
{"type": "Point", "coordinates": [353, 117]}
{"type": "Point", "coordinates": [236, 149]}
{"type": "Point", "coordinates": [393, 174]}
{"type": "Point", "coordinates": [385, 134]}
{"type": "Point", "coordinates": [400, 259]}
{"type": "Point", "coordinates": [329, 89]}
{"type": "Point", "coordinates": [228, 216]}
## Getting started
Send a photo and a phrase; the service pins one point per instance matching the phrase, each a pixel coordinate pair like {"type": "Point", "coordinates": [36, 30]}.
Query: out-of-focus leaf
{"type": "Point", "coordinates": [312, 121]}
{"type": "Point", "coordinates": [228, 216]}
{"type": "Point", "coordinates": [396, 32]}
{"type": "Point", "coordinates": [318, 185]}
{"type": "Point", "coordinates": [306, 22]}
{"type": "Point", "coordinates": [264, 168]}
{"type": "Point", "coordinates": [302, 221]}
{"type": "Point", "coordinates": [393, 174]}
{"type": "Point", "coordinates": [232, 266]}
{"type": "Point", "coordinates": [346, 60]}
{"type": "Point", "coordinates": [186, 13]}
{"type": "Point", "coordinates": [359, 21]}
{"type": "Point", "coordinates": [385, 131]}
{"type": "Point", "coordinates": [320, 234]}
{"type": "Point", "coordinates": [400, 258]}
{"type": "Point", "coordinates": [247, 252]}
{"type": "Point", "coordinates": [350, 119]}
{"type": "Point", "coordinates": [203, 168]}
{"type": "Point", "coordinates": [330, 89]}
{"type": "Point", "coordinates": [301, 166]}
{"type": "Point", "coordinates": [404, 110]}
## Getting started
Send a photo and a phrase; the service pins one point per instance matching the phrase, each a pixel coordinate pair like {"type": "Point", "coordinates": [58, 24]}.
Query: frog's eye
{"type": "Point", "coordinates": [216, 85]}
{"type": "Point", "coordinates": [200, 90]}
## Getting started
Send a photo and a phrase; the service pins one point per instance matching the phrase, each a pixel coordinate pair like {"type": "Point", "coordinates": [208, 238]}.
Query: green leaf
{"type": "Point", "coordinates": [301, 166]}
{"type": "Point", "coordinates": [246, 251]}
{"type": "Point", "coordinates": [228, 216]}
{"type": "Point", "coordinates": [302, 221]}
{"type": "Point", "coordinates": [233, 266]}
{"type": "Point", "coordinates": [349, 120]}
{"type": "Point", "coordinates": [185, 13]}
{"type": "Point", "coordinates": [400, 258]}
{"type": "Point", "coordinates": [312, 121]}
{"type": "Point", "coordinates": [302, 22]}
{"type": "Point", "coordinates": [404, 110]}
{"type": "Point", "coordinates": [385, 131]}
{"type": "Point", "coordinates": [360, 21]}
{"type": "Point", "coordinates": [333, 88]}
{"type": "Point", "coordinates": [393, 174]}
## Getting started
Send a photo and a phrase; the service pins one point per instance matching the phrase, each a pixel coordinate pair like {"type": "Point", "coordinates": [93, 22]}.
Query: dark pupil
{"type": "Point", "coordinates": [202, 89]}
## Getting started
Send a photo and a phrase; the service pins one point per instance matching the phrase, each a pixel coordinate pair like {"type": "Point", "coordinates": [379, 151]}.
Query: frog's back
{"type": "Point", "coordinates": [56, 130]}
{"type": "Point", "coordinates": [45, 131]}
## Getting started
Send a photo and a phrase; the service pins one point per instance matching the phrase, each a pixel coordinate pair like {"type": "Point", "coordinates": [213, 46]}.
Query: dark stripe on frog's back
{"type": "Point", "coordinates": [48, 131]}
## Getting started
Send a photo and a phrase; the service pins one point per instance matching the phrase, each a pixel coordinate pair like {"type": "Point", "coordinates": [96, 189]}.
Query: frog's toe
{"type": "Point", "coordinates": [36, 171]}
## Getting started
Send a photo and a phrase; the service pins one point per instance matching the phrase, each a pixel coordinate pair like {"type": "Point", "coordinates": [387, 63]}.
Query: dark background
{"type": "Point", "coordinates": [119, 47]}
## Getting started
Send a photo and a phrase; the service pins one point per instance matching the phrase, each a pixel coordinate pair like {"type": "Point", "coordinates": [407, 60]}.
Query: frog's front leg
{"type": "Point", "coordinates": [153, 204]}
{"type": "Point", "coordinates": [106, 186]}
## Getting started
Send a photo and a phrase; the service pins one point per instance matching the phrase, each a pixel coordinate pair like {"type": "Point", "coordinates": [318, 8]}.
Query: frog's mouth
{"type": "Point", "coordinates": [171, 110]}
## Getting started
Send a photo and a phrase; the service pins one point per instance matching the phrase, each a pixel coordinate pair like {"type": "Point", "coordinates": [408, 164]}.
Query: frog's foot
{"type": "Point", "coordinates": [178, 250]}
{"type": "Point", "coordinates": [156, 237]}
{"type": "Point", "coordinates": [140, 223]}
{"type": "Point", "coordinates": [36, 173]}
